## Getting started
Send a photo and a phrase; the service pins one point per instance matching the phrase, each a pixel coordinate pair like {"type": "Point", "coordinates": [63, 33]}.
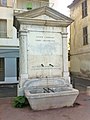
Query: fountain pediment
{"type": "Point", "coordinates": [44, 16]}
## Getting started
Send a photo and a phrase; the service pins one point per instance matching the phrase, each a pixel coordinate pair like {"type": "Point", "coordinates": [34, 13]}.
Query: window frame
{"type": "Point", "coordinates": [85, 35]}
{"type": "Point", "coordinates": [84, 9]}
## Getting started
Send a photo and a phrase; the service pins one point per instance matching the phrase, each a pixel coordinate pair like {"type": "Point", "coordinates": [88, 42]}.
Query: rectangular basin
{"type": "Point", "coordinates": [42, 101]}
{"type": "Point", "coordinates": [48, 97]}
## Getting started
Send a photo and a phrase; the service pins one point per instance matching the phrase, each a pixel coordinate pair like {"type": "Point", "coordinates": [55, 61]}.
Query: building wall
{"type": "Point", "coordinates": [7, 13]}
{"type": "Point", "coordinates": [21, 5]}
{"type": "Point", "coordinates": [80, 54]}
{"type": "Point", "coordinates": [9, 45]}
{"type": "Point", "coordinates": [9, 17]}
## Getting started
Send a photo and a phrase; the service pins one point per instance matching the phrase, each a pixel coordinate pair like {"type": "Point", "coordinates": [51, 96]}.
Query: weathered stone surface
{"type": "Point", "coordinates": [44, 75]}
{"type": "Point", "coordinates": [48, 94]}
{"type": "Point", "coordinates": [43, 47]}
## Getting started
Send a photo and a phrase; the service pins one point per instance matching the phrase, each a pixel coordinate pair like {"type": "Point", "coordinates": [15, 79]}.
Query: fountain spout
{"type": "Point", "coordinates": [42, 65]}
{"type": "Point", "coordinates": [51, 65]}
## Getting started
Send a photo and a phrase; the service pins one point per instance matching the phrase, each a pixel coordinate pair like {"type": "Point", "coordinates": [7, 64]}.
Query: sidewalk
{"type": "Point", "coordinates": [78, 112]}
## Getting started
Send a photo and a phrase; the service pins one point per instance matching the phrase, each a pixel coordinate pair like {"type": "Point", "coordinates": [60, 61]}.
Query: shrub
{"type": "Point", "coordinates": [20, 102]}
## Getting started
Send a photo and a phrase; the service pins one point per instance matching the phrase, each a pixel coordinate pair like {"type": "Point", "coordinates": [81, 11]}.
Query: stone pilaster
{"type": "Point", "coordinates": [23, 57]}
{"type": "Point", "coordinates": [65, 55]}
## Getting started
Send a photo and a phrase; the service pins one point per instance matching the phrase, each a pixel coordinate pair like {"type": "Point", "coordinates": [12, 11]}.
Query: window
{"type": "Point", "coordinates": [68, 55]}
{"type": "Point", "coordinates": [1, 69]}
{"type": "Point", "coordinates": [85, 36]}
{"type": "Point", "coordinates": [29, 6]}
{"type": "Point", "coordinates": [3, 2]}
{"type": "Point", "coordinates": [84, 9]}
{"type": "Point", "coordinates": [3, 28]}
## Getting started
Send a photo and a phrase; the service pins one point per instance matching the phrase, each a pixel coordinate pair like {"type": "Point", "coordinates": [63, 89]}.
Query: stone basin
{"type": "Point", "coordinates": [49, 94]}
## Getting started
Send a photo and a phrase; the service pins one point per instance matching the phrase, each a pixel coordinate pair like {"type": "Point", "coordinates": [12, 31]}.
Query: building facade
{"type": "Point", "coordinates": [80, 38]}
{"type": "Point", "coordinates": [9, 42]}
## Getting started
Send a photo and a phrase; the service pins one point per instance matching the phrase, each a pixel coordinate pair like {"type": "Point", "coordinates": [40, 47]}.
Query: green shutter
{"type": "Point", "coordinates": [29, 5]}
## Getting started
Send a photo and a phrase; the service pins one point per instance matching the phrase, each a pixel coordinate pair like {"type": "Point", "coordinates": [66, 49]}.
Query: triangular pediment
{"type": "Point", "coordinates": [44, 16]}
{"type": "Point", "coordinates": [44, 13]}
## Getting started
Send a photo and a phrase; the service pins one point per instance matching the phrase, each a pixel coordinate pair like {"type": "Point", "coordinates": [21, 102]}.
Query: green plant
{"type": "Point", "coordinates": [20, 102]}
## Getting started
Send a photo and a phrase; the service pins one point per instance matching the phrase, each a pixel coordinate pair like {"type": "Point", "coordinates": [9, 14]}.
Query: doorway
{"type": "Point", "coordinates": [17, 68]}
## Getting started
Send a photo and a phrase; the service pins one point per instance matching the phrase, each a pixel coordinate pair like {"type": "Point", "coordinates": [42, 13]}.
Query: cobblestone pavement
{"type": "Point", "coordinates": [80, 111]}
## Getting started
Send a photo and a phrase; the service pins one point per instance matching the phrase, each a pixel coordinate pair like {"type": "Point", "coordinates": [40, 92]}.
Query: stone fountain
{"type": "Point", "coordinates": [57, 93]}
{"type": "Point", "coordinates": [44, 76]}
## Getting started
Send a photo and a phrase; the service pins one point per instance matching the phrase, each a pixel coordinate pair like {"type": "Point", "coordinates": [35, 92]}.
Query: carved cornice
{"type": "Point", "coordinates": [54, 23]}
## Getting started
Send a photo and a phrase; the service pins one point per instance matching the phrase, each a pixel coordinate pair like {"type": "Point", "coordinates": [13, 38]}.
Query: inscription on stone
{"type": "Point", "coordinates": [45, 43]}
{"type": "Point", "coordinates": [45, 53]}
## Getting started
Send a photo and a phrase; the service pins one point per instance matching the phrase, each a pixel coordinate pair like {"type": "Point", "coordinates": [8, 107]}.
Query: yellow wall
{"type": "Point", "coordinates": [80, 54]}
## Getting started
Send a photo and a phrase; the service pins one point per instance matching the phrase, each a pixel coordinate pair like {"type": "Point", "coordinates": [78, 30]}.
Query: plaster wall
{"type": "Point", "coordinates": [7, 14]}
{"type": "Point", "coordinates": [22, 4]}
{"type": "Point", "coordinates": [80, 54]}
{"type": "Point", "coordinates": [10, 42]}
